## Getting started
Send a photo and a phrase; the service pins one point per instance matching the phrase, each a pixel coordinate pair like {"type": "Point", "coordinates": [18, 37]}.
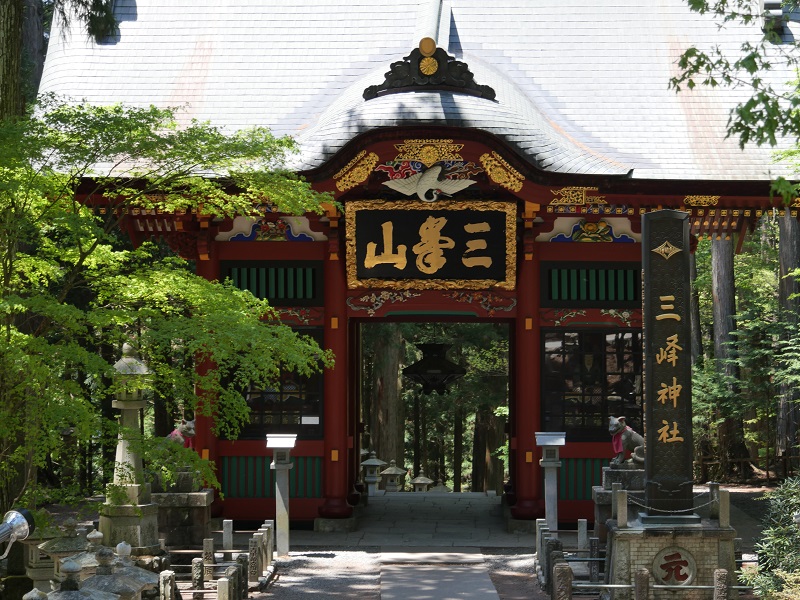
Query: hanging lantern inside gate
{"type": "Point", "coordinates": [433, 371]}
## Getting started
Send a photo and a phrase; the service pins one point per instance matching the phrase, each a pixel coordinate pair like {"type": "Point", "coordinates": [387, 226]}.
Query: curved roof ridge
{"type": "Point", "coordinates": [512, 117]}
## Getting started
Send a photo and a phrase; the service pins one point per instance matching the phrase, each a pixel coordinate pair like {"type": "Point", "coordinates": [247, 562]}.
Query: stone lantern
{"type": "Point", "coordinates": [87, 560]}
{"type": "Point", "coordinates": [71, 542]}
{"type": "Point", "coordinates": [39, 566]}
{"type": "Point", "coordinates": [372, 476]}
{"type": "Point", "coordinates": [135, 519]}
{"type": "Point", "coordinates": [121, 578]}
{"type": "Point", "coordinates": [71, 587]}
{"type": "Point", "coordinates": [394, 477]}
{"type": "Point", "coordinates": [421, 483]}
{"type": "Point", "coordinates": [550, 441]}
{"type": "Point", "coordinates": [281, 445]}
{"type": "Point", "coordinates": [124, 567]}
{"type": "Point", "coordinates": [440, 488]}
{"type": "Point", "coordinates": [104, 580]}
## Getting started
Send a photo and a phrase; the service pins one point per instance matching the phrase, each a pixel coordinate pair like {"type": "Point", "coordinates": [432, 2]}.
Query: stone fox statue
{"type": "Point", "coordinates": [624, 439]}
{"type": "Point", "coordinates": [183, 434]}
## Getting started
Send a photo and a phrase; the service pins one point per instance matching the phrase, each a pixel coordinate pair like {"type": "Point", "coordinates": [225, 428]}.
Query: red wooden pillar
{"type": "Point", "coordinates": [205, 443]}
{"type": "Point", "coordinates": [334, 461]}
{"type": "Point", "coordinates": [527, 473]}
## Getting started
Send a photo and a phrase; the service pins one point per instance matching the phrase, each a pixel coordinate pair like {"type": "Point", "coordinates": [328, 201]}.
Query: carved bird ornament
{"type": "Point", "coordinates": [428, 185]}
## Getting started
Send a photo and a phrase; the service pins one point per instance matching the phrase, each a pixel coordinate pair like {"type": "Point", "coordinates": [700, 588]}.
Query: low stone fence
{"type": "Point", "coordinates": [230, 578]}
{"type": "Point", "coordinates": [563, 585]}
{"type": "Point", "coordinates": [558, 577]}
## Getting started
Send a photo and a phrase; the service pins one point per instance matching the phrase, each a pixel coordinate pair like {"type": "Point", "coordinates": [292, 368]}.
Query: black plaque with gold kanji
{"type": "Point", "coordinates": [437, 245]}
{"type": "Point", "coordinates": [668, 369]}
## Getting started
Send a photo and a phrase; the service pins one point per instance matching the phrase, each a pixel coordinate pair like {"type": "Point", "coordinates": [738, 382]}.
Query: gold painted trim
{"type": "Point", "coordinates": [502, 173]}
{"type": "Point", "coordinates": [575, 196]}
{"type": "Point", "coordinates": [701, 200]}
{"type": "Point", "coordinates": [667, 250]}
{"type": "Point", "coordinates": [510, 210]}
{"type": "Point", "coordinates": [356, 171]}
{"type": "Point", "coordinates": [428, 151]}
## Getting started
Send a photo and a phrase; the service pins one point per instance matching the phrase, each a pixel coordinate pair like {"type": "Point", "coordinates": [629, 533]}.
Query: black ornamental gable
{"type": "Point", "coordinates": [428, 69]}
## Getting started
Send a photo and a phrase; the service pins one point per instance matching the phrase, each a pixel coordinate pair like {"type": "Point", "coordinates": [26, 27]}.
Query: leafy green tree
{"type": "Point", "coordinates": [72, 290]}
{"type": "Point", "coordinates": [761, 352]}
{"type": "Point", "coordinates": [771, 110]}
{"type": "Point", "coordinates": [779, 548]}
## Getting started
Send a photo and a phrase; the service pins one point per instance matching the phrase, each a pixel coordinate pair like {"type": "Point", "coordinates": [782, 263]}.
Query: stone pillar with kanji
{"type": "Point", "coordinates": [669, 536]}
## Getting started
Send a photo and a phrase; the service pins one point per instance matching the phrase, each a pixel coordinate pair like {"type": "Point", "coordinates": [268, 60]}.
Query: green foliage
{"type": "Point", "coordinates": [97, 16]}
{"type": "Point", "coordinates": [770, 111]}
{"type": "Point", "coordinates": [779, 549]}
{"type": "Point", "coordinates": [72, 290]}
{"type": "Point", "coordinates": [481, 396]}
{"type": "Point", "coordinates": [765, 350]}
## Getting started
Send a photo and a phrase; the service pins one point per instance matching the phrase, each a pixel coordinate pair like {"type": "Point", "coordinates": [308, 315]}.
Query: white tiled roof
{"type": "Point", "coordinates": [582, 85]}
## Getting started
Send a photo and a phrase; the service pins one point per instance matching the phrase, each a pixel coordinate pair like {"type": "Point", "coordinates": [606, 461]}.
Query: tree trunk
{"type": "Point", "coordinates": [479, 445]}
{"type": "Point", "coordinates": [458, 445]}
{"type": "Point", "coordinates": [496, 438]}
{"type": "Point", "coordinates": [731, 433]}
{"type": "Point", "coordinates": [387, 416]}
{"type": "Point", "coordinates": [697, 334]}
{"type": "Point", "coordinates": [417, 434]}
{"type": "Point", "coordinates": [441, 452]}
{"type": "Point", "coordinates": [786, 430]}
{"type": "Point", "coordinates": [33, 48]}
{"type": "Point", "coordinates": [11, 19]}
{"type": "Point", "coordinates": [163, 421]}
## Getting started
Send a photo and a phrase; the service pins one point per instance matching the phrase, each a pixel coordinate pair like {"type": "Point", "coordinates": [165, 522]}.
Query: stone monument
{"type": "Point", "coordinates": [663, 534]}
{"type": "Point", "coordinates": [184, 509]}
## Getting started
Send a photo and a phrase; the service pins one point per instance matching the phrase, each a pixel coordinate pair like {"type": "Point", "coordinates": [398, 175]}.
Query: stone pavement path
{"type": "Point", "coordinates": [417, 547]}
{"type": "Point", "coordinates": [429, 547]}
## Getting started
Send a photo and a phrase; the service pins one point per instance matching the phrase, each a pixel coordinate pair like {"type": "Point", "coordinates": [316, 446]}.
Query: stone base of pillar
{"type": "Point", "coordinates": [184, 518]}
{"type": "Point", "coordinates": [136, 525]}
{"type": "Point", "coordinates": [520, 525]}
{"type": "Point", "coordinates": [673, 555]}
{"type": "Point", "coordinates": [335, 508]}
{"type": "Point", "coordinates": [527, 510]}
{"type": "Point", "coordinates": [631, 479]}
{"type": "Point", "coordinates": [322, 525]}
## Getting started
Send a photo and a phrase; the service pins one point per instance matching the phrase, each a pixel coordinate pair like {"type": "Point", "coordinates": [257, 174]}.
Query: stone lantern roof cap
{"type": "Point", "coordinates": [129, 364]}
{"type": "Point", "coordinates": [373, 461]}
{"type": "Point", "coordinates": [393, 469]}
{"type": "Point", "coordinates": [421, 479]}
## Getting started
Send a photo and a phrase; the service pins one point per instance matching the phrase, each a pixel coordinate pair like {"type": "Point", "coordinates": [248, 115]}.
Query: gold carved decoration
{"type": "Point", "coordinates": [701, 200]}
{"type": "Point", "coordinates": [626, 317]}
{"type": "Point", "coordinates": [488, 301]}
{"type": "Point", "coordinates": [357, 171]}
{"type": "Point", "coordinates": [501, 173]}
{"type": "Point", "coordinates": [576, 196]}
{"type": "Point", "coordinates": [509, 283]}
{"type": "Point", "coordinates": [428, 65]}
{"type": "Point", "coordinates": [373, 302]}
{"type": "Point", "coordinates": [428, 152]}
{"type": "Point", "coordinates": [667, 250]}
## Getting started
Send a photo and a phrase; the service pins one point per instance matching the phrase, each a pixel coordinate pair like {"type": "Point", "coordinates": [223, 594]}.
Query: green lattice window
{"type": "Point", "coordinates": [284, 283]}
{"type": "Point", "coordinates": [592, 285]}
